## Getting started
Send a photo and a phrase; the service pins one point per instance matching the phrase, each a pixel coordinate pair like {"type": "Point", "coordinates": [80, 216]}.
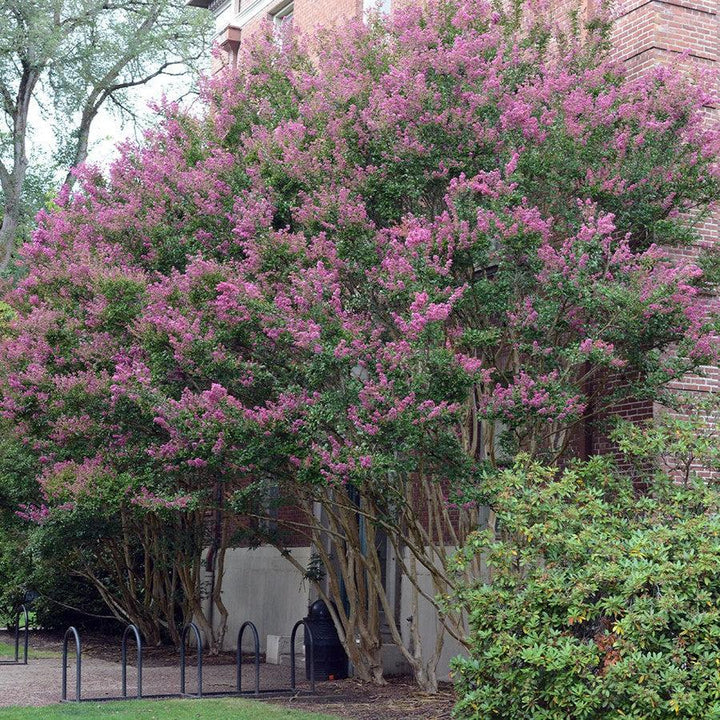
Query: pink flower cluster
{"type": "Point", "coordinates": [150, 501]}
{"type": "Point", "coordinates": [357, 250]}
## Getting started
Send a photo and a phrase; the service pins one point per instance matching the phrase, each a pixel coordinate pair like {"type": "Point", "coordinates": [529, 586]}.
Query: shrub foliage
{"type": "Point", "coordinates": [603, 602]}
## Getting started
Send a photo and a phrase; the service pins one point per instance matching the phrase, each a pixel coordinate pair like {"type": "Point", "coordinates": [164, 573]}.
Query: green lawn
{"type": "Point", "coordinates": [7, 652]}
{"type": "Point", "coordinates": [225, 709]}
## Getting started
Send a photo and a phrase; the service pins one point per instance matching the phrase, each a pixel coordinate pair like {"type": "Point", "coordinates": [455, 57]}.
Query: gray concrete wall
{"type": "Point", "coordinates": [262, 586]}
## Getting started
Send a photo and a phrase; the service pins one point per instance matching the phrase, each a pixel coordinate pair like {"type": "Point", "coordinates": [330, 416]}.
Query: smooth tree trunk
{"type": "Point", "coordinates": [8, 231]}
{"type": "Point", "coordinates": [423, 534]}
{"type": "Point", "coordinates": [12, 180]}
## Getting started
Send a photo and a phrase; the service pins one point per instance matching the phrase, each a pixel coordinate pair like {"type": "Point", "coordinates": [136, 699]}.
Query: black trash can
{"type": "Point", "coordinates": [329, 656]}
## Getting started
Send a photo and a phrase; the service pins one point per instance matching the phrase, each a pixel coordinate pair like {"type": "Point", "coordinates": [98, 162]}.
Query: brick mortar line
{"type": "Point", "coordinates": [670, 50]}
{"type": "Point", "coordinates": [710, 13]}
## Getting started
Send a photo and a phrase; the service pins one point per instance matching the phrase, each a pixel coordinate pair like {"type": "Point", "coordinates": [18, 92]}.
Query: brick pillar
{"type": "Point", "coordinates": [647, 33]}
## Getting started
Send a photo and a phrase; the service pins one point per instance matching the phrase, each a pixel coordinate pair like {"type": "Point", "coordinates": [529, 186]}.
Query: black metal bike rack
{"type": "Point", "coordinates": [130, 629]}
{"type": "Point", "coordinates": [78, 661]}
{"type": "Point", "coordinates": [199, 643]}
{"type": "Point", "coordinates": [238, 668]}
{"type": "Point", "coordinates": [138, 645]}
{"type": "Point", "coordinates": [238, 656]}
{"type": "Point", "coordinates": [311, 644]}
{"type": "Point", "coordinates": [256, 661]}
{"type": "Point", "coordinates": [22, 611]}
{"type": "Point", "coordinates": [190, 627]}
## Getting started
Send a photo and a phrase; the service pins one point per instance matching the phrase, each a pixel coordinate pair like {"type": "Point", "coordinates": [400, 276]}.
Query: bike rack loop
{"type": "Point", "coordinates": [292, 655]}
{"type": "Point", "coordinates": [186, 630]}
{"type": "Point", "coordinates": [138, 644]}
{"type": "Point", "coordinates": [238, 656]}
{"type": "Point", "coordinates": [22, 611]}
{"type": "Point", "coordinates": [78, 659]}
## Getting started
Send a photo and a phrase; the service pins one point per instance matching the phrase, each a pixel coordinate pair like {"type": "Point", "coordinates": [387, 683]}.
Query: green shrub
{"type": "Point", "coordinates": [603, 601]}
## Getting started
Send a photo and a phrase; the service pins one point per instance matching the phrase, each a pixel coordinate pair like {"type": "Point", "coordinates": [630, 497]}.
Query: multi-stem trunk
{"type": "Point", "coordinates": [345, 537]}
{"type": "Point", "coordinates": [12, 180]}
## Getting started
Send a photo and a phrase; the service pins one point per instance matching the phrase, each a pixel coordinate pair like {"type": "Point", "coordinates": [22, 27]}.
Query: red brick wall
{"type": "Point", "coordinates": [646, 34]}
{"type": "Point", "coordinates": [669, 27]}
{"type": "Point", "coordinates": [311, 13]}
{"type": "Point", "coordinates": [307, 16]}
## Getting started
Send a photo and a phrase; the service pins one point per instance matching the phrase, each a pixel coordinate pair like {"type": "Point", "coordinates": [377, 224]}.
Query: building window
{"type": "Point", "coordinates": [282, 17]}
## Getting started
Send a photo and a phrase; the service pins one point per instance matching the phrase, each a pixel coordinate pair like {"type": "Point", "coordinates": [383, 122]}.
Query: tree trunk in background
{"type": "Point", "coordinates": [7, 236]}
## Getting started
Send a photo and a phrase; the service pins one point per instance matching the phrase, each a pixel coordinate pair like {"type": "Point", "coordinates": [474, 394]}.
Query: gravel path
{"type": "Point", "coordinates": [38, 683]}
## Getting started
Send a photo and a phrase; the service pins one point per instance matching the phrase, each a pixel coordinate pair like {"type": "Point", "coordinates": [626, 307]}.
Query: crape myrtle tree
{"type": "Point", "coordinates": [106, 526]}
{"type": "Point", "coordinates": [18, 468]}
{"type": "Point", "coordinates": [375, 266]}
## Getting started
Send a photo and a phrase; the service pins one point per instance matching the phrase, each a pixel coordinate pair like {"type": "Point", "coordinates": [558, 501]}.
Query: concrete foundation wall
{"type": "Point", "coordinates": [262, 586]}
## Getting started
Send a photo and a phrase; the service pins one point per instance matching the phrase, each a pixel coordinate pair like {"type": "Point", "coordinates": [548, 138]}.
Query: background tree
{"type": "Point", "coordinates": [71, 57]}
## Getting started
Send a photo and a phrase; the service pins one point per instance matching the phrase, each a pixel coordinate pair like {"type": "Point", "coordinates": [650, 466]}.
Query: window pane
{"type": "Point", "coordinates": [282, 20]}
{"type": "Point", "coordinates": [284, 15]}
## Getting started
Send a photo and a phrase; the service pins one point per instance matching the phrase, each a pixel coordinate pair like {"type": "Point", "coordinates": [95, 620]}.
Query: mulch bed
{"type": "Point", "coordinates": [398, 700]}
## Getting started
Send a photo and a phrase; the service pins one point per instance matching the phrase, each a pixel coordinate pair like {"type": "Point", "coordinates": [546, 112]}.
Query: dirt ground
{"type": "Point", "coordinates": [39, 682]}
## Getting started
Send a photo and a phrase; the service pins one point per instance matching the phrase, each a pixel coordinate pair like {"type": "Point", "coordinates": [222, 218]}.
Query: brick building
{"type": "Point", "coordinates": [670, 32]}
{"type": "Point", "coordinates": [236, 19]}
{"type": "Point", "coordinates": [646, 31]}
{"type": "Point", "coordinates": [261, 584]}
